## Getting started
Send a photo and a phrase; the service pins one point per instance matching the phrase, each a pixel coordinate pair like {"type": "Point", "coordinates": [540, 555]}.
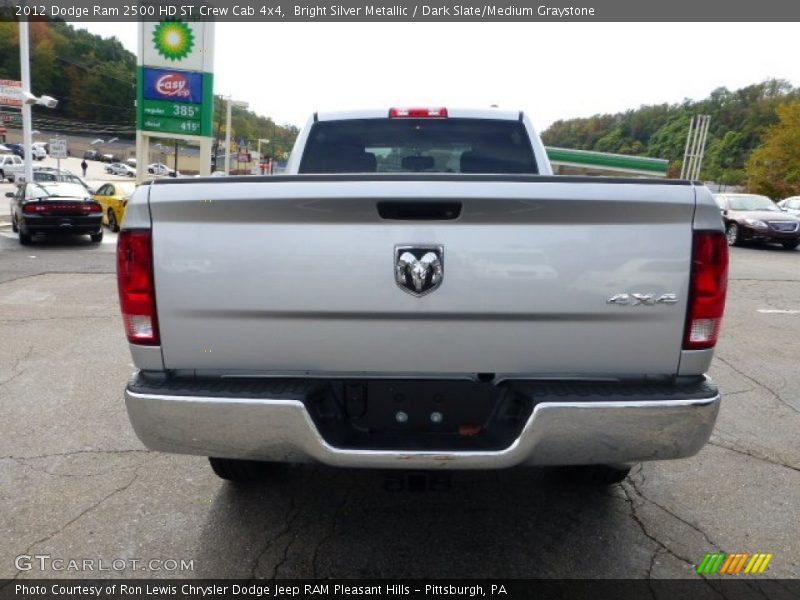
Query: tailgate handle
{"type": "Point", "coordinates": [416, 210]}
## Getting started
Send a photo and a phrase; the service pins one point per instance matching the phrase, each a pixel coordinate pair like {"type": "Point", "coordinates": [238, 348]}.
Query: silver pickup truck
{"type": "Point", "coordinates": [419, 291]}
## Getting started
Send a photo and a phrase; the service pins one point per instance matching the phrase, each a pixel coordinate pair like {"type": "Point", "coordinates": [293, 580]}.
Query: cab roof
{"type": "Point", "coordinates": [452, 113]}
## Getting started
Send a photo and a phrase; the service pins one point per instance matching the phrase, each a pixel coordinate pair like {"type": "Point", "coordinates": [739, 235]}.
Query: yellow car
{"type": "Point", "coordinates": [113, 197]}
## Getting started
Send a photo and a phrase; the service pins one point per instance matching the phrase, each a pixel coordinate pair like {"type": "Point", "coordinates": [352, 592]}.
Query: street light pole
{"type": "Point", "coordinates": [239, 104]}
{"type": "Point", "coordinates": [25, 69]}
{"type": "Point", "coordinates": [228, 137]}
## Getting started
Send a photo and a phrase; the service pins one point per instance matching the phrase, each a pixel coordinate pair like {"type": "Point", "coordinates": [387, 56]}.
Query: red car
{"type": "Point", "coordinates": [754, 218]}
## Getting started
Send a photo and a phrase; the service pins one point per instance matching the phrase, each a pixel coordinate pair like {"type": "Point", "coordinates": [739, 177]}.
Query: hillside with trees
{"type": "Point", "coordinates": [740, 121]}
{"type": "Point", "coordinates": [94, 80]}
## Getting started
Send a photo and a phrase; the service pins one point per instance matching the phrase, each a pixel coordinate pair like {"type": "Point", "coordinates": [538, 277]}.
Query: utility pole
{"type": "Point", "coordinates": [695, 147]}
{"type": "Point", "coordinates": [230, 102]}
{"type": "Point", "coordinates": [25, 69]}
{"type": "Point", "coordinates": [228, 136]}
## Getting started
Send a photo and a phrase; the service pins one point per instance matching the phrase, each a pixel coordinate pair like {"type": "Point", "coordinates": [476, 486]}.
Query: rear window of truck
{"type": "Point", "coordinates": [418, 146]}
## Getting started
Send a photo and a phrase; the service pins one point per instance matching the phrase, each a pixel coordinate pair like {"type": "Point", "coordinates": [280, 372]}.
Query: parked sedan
{"type": "Point", "coordinates": [162, 169]}
{"type": "Point", "coordinates": [791, 205]}
{"type": "Point", "coordinates": [54, 208]}
{"type": "Point", "coordinates": [113, 197]}
{"type": "Point", "coordinates": [119, 168]}
{"type": "Point", "coordinates": [750, 217]}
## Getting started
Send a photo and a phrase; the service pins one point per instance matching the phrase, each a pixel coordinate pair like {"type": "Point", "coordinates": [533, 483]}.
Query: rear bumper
{"type": "Point", "coordinates": [66, 225]}
{"type": "Point", "coordinates": [768, 235]}
{"type": "Point", "coordinates": [567, 427]}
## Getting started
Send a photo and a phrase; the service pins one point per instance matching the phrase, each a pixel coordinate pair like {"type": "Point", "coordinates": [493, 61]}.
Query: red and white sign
{"type": "Point", "coordinates": [173, 84]}
{"type": "Point", "coordinates": [10, 92]}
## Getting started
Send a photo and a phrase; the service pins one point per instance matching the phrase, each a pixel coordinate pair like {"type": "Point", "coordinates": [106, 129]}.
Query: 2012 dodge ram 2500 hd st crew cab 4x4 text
{"type": "Point", "coordinates": [419, 291]}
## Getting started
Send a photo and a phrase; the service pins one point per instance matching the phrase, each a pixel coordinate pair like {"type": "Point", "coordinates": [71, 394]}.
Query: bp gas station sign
{"type": "Point", "coordinates": [175, 91]}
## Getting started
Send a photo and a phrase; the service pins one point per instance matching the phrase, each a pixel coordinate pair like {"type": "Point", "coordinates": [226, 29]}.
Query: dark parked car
{"type": "Point", "coordinates": [17, 149]}
{"type": "Point", "coordinates": [54, 207]}
{"type": "Point", "coordinates": [750, 217]}
{"type": "Point", "coordinates": [91, 155]}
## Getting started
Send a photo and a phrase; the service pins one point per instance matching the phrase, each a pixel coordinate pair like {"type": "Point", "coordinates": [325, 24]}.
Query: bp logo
{"type": "Point", "coordinates": [173, 40]}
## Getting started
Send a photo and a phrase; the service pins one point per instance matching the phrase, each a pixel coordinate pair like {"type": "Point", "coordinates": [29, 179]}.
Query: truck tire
{"type": "Point", "coordinates": [97, 237]}
{"type": "Point", "coordinates": [24, 238]}
{"type": "Point", "coordinates": [243, 471]}
{"type": "Point", "coordinates": [14, 227]}
{"type": "Point", "coordinates": [791, 245]}
{"type": "Point", "coordinates": [597, 475]}
{"type": "Point", "coordinates": [733, 235]}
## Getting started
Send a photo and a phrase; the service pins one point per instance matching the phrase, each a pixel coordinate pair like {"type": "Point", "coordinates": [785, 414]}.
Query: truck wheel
{"type": "Point", "coordinates": [733, 235]}
{"type": "Point", "coordinates": [243, 471]}
{"type": "Point", "coordinates": [97, 237]}
{"type": "Point", "coordinates": [595, 474]}
{"type": "Point", "coordinates": [14, 227]}
{"type": "Point", "coordinates": [791, 245]}
{"type": "Point", "coordinates": [24, 238]}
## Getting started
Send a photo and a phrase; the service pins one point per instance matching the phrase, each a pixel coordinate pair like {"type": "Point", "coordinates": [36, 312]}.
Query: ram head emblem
{"type": "Point", "coordinates": [418, 270]}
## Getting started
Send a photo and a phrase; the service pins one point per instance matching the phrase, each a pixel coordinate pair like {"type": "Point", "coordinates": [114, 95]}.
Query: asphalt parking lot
{"type": "Point", "coordinates": [75, 483]}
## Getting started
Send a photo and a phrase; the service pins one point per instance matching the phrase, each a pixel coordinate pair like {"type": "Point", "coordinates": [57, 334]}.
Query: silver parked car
{"type": "Point", "coordinates": [791, 205]}
{"type": "Point", "coordinates": [118, 168]}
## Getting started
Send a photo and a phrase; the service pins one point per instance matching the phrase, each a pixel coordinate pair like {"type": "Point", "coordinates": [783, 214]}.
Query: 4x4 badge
{"type": "Point", "coordinates": [418, 270]}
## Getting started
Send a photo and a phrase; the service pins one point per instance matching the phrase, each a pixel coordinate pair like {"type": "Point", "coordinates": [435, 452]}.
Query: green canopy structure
{"type": "Point", "coordinates": [586, 162]}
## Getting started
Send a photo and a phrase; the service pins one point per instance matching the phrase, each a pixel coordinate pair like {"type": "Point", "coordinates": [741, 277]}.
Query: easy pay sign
{"type": "Point", "coordinates": [175, 78]}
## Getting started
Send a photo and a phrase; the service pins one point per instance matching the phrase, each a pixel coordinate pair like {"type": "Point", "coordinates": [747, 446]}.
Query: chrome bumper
{"type": "Point", "coordinates": [556, 433]}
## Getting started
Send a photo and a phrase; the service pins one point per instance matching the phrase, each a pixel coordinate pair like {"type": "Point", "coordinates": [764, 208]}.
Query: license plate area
{"type": "Point", "coordinates": [419, 414]}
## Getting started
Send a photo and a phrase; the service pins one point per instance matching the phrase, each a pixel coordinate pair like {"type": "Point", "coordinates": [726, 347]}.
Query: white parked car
{"type": "Point", "coordinates": [791, 205]}
{"type": "Point", "coordinates": [162, 169]}
{"type": "Point", "coordinates": [120, 169]}
{"type": "Point", "coordinates": [38, 151]}
{"type": "Point", "coordinates": [11, 165]}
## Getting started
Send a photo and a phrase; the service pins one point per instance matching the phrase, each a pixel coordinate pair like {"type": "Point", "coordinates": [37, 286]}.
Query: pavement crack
{"type": "Point", "coordinates": [76, 452]}
{"type": "Point", "coordinates": [25, 356]}
{"type": "Point", "coordinates": [650, 572]}
{"type": "Point", "coordinates": [80, 515]}
{"type": "Point", "coordinates": [764, 386]}
{"type": "Point", "coordinates": [640, 522]}
{"type": "Point", "coordinates": [647, 533]}
{"type": "Point", "coordinates": [270, 541]}
{"type": "Point", "coordinates": [12, 378]}
{"type": "Point", "coordinates": [334, 521]}
{"type": "Point", "coordinates": [639, 492]}
{"type": "Point", "coordinates": [762, 458]}
{"type": "Point", "coordinates": [71, 318]}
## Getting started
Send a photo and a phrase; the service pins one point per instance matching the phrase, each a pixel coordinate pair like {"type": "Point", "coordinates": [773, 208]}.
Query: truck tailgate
{"type": "Point", "coordinates": [297, 275]}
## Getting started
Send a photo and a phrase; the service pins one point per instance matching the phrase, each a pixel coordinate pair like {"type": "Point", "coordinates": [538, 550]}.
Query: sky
{"type": "Point", "coordinates": [550, 70]}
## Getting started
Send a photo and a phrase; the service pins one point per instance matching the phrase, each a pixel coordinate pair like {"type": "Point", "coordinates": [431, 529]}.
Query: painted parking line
{"type": "Point", "coordinates": [775, 311]}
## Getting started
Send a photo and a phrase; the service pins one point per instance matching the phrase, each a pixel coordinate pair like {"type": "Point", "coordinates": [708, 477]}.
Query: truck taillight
{"type": "Point", "coordinates": [708, 284]}
{"type": "Point", "coordinates": [137, 296]}
{"type": "Point", "coordinates": [418, 113]}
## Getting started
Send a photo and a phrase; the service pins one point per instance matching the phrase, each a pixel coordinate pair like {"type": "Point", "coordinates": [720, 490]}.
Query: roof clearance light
{"type": "Point", "coordinates": [418, 113]}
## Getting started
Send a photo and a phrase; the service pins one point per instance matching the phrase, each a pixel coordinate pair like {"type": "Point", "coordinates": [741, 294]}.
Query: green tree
{"type": "Point", "coordinates": [774, 167]}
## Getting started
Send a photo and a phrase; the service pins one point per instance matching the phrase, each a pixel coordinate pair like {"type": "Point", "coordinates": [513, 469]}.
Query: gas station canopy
{"type": "Point", "coordinates": [586, 162]}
